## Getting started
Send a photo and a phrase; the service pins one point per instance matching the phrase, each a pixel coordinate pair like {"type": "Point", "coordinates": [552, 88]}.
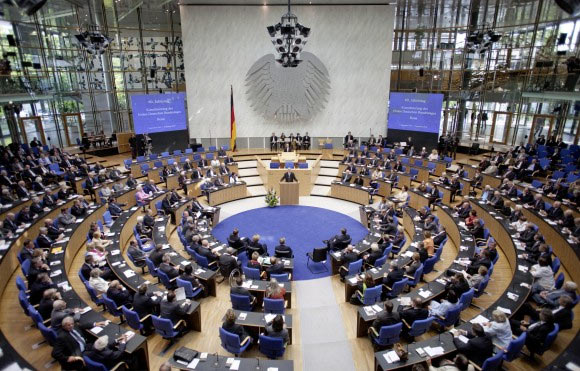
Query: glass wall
{"type": "Point", "coordinates": [54, 80]}
{"type": "Point", "coordinates": [485, 56]}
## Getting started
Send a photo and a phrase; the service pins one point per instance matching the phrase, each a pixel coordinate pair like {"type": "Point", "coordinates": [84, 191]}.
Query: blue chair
{"type": "Point", "coordinates": [515, 347]}
{"type": "Point", "coordinates": [419, 327]}
{"type": "Point", "coordinates": [35, 316]}
{"type": "Point", "coordinates": [167, 329]}
{"type": "Point", "coordinates": [466, 298]}
{"type": "Point", "coordinates": [451, 318]}
{"type": "Point", "coordinates": [202, 260]}
{"type": "Point", "coordinates": [303, 165]}
{"type": "Point", "coordinates": [140, 158]}
{"type": "Point", "coordinates": [152, 268]}
{"type": "Point", "coordinates": [25, 267]}
{"type": "Point", "coordinates": [398, 287]}
{"type": "Point", "coordinates": [190, 293]}
{"type": "Point", "coordinates": [277, 306]}
{"type": "Point", "coordinates": [177, 152]}
{"type": "Point", "coordinates": [493, 363]}
{"type": "Point", "coordinates": [289, 165]}
{"type": "Point", "coordinates": [164, 154]}
{"type": "Point", "coordinates": [48, 333]}
{"type": "Point", "coordinates": [112, 308]}
{"type": "Point", "coordinates": [21, 284]}
{"type": "Point", "coordinates": [188, 151]}
{"type": "Point", "coordinates": [97, 366]}
{"type": "Point", "coordinates": [429, 264]}
{"type": "Point", "coordinates": [226, 148]}
{"type": "Point", "coordinates": [23, 300]}
{"type": "Point", "coordinates": [108, 219]}
{"type": "Point", "coordinates": [128, 163]}
{"type": "Point", "coordinates": [242, 302]}
{"type": "Point", "coordinates": [558, 284]}
{"type": "Point", "coordinates": [232, 342]}
{"type": "Point", "coordinates": [164, 278]}
{"type": "Point", "coordinates": [550, 338]}
{"type": "Point", "coordinates": [153, 156]}
{"type": "Point", "coordinates": [252, 273]}
{"type": "Point", "coordinates": [271, 347]}
{"type": "Point", "coordinates": [413, 281]}
{"type": "Point", "coordinates": [282, 277]}
{"type": "Point", "coordinates": [160, 211]}
{"type": "Point", "coordinates": [387, 335]}
{"type": "Point", "coordinates": [381, 261]}
{"type": "Point", "coordinates": [133, 319]}
{"type": "Point", "coordinates": [477, 292]}
{"type": "Point", "coordinates": [93, 295]}
{"type": "Point", "coordinates": [370, 296]}
{"type": "Point", "coordinates": [556, 265]}
{"type": "Point", "coordinates": [274, 165]}
{"type": "Point", "coordinates": [353, 268]}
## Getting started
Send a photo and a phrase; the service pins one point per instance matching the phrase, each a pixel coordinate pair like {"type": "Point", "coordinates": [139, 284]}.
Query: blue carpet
{"type": "Point", "coordinates": [303, 226]}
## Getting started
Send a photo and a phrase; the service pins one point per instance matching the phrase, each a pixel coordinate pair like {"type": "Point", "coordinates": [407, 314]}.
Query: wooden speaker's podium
{"type": "Point", "coordinates": [289, 193]}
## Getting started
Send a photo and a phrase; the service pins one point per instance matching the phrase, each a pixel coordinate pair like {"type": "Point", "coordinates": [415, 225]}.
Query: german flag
{"type": "Point", "coordinates": [233, 135]}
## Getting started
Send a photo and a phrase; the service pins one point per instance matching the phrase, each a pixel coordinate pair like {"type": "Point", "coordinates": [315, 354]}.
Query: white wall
{"type": "Point", "coordinates": [222, 42]}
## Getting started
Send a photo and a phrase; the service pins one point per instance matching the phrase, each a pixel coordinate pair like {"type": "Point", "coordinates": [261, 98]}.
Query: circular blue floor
{"type": "Point", "coordinates": [303, 226]}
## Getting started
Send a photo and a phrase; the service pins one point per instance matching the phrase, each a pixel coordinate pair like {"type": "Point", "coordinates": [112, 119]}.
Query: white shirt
{"type": "Point", "coordinates": [501, 333]}
{"type": "Point", "coordinates": [544, 276]}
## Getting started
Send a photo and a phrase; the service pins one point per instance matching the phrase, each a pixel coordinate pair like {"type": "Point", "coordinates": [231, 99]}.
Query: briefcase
{"type": "Point", "coordinates": [184, 354]}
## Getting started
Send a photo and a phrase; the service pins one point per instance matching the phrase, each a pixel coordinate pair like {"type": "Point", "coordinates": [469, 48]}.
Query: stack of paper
{"type": "Point", "coordinates": [479, 319]}
{"type": "Point", "coordinates": [129, 273]}
{"type": "Point", "coordinates": [425, 294]}
{"type": "Point", "coordinates": [405, 300]}
{"type": "Point", "coordinates": [435, 351]}
{"type": "Point", "coordinates": [391, 357]}
{"type": "Point", "coordinates": [505, 310]}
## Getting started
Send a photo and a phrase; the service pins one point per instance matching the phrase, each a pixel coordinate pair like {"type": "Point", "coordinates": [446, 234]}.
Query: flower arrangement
{"type": "Point", "coordinates": [271, 198]}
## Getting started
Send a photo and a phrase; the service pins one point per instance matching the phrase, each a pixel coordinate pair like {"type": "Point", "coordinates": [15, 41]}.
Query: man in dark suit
{"type": "Point", "coordinates": [238, 289]}
{"type": "Point", "coordinates": [556, 213]}
{"type": "Point", "coordinates": [395, 274]}
{"type": "Point", "coordinates": [21, 190]}
{"type": "Point", "coordinates": [257, 246]}
{"type": "Point", "coordinates": [282, 250]}
{"type": "Point", "coordinates": [478, 348]}
{"type": "Point", "coordinates": [348, 140]}
{"type": "Point", "coordinates": [235, 241]}
{"type": "Point", "coordinates": [156, 255]}
{"type": "Point", "coordinates": [196, 174]}
{"type": "Point", "coordinates": [227, 262]}
{"type": "Point", "coordinates": [70, 344]}
{"type": "Point", "coordinates": [288, 177]}
{"type": "Point", "coordinates": [273, 142]}
{"type": "Point", "coordinates": [276, 266]}
{"type": "Point", "coordinates": [482, 259]}
{"type": "Point", "coordinates": [496, 201]}
{"type": "Point", "coordinates": [43, 241]}
{"type": "Point", "coordinates": [414, 312]}
{"type": "Point", "coordinates": [386, 317]}
{"type": "Point", "coordinates": [119, 294]}
{"type": "Point", "coordinates": [204, 250]}
{"type": "Point", "coordinates": [106, 352]}
{"type": "Point", "coordinates": [167, 268]}
{"type": "Point", "coordinates": [348, 256]}
{"type": "Point", "coordinates": [339, 241]}
{"type": "Point", "coordinates": [144, 302]}
{"type": "Point", "coordinates": [172, 310]}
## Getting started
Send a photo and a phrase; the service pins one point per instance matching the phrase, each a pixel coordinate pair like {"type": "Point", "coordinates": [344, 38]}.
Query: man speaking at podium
{"type": "Point", "coordinates": [289, 177]}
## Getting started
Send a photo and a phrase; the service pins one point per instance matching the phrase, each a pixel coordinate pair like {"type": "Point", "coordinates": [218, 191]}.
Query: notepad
{"type": "Point", "coordinates": [425, 294]}
{"type": "Point", "coordinates": [391, 357]}
{"type": "Point", "coordinates": [129, 273]}
{"type": "Point", "coordinates": [479, 319]}
{"type": "Point", "coordinates": [435, 351]}
{"type": "Point", "coordinates": [463, 339]}
{"type": "Point", "coordinates": [405, 300]}
{"type": "Point", "coordinates": [235, 365]}
{"type": "Point", "coordinates": [242, 316]}
{"type": "Point", "coordinates": [505, 310]}
{"type": "Point", "coordinates": [193, 363]}
{"type": "Point", "coordinates": [353, 280]}
{"type": "Point", "coordinates": [115, 252]}
{"type": "Point", "coordinates": [96, 330]}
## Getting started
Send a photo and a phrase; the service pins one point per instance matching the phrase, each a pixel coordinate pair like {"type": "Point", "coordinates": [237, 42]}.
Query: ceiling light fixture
{"type": "Point", "coordinates": [288, 37]}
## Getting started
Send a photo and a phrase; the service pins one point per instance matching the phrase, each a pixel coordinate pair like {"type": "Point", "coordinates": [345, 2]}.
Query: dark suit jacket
{"type": "Point", "coordinates": [235, 329]}
{"type": "Point", "coordinates": [411, 314]}
{"type": "Point", "coordinates": [563, 318]}
{"type": "Point", "coordinates": [66, 346]}
{"type": "Point", "coordinates": [393, 276]}
{"type": "Point", "coordinates": [385, 319]}
{"type": "Point", "coordinates": [289, 177]}
{"type": "Point", "coordinates": [282, 250]}
{"type": "Point", "coordinates": [44, 241]}
{"type": "Point", "coordinates": [227, 263]}
{"type": "Point", "coordinates": [477, 349]}
{"type": "Point", "coordinates": [537, 335]}
{"type": "Point", "coordinates": [109, 356]}
{"type": "Point", "coordinates": [173, 311]}
{"type": "Point", "coordinates": [239, 290]}
{"type": "Point", "coordinates": [144, 304]}
{"type": "Point", "coordinates": [277, 268]}
{"type": "Point", "coordinates": [120, 297]}
{"type": "Point", "coordinates": [169, 270]}
{"type": "Point", "coordinates": [555, 213]}
{"type": "Point", "coordinates": [235, 241]}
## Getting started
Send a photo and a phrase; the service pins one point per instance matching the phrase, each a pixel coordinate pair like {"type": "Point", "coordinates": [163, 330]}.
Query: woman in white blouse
{"type": "Point", "coordinates": [402, 196]}
{"type": "Point", "coordinates": [97, 282]}
{"type": "Point", "coordinates": [499, 329]}
{"type": "Point", "coordinates": [543, 274]}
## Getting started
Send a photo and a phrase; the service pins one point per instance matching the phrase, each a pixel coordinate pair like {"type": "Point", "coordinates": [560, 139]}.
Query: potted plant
{"type": "Point", "coordinates": [271, 198]}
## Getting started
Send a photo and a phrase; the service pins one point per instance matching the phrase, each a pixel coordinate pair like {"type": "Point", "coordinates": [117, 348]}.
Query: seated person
{"type": "Point", "coordinates": [479, 346]}
{"type": "Point", "coordinates": [437, 309]}
{"type": "Point", "coordinates": [276, 266]}
{"type": "Point", "coordinates": [395, 274]}
{"type": "Point", "coordinates": [255, 246]}
{"type": "Point", "coordinates": [276, 329]}
{"type": "Point", "coordinates": [230, 326]}
{"type": "Point", "coordinates": [549, 298]}
{"type": "Point", "coordinates": [482, 259]}
{"type": "Point", "coordinates": [188, 276]}
{"type": "Point", "coordinates": [375, 253]}
{"type": "Point", "coordinates": [463, 209]}
{"type": "Point", "coordinates": [235, 241]}
{"type": "Point", "coordinates": [362, 286]}
{"type": "Point", "coordinates": [238, 289]}
{"type": "Point", "coordinates": [536, 332]}
{"type": "Point", "coordinates": [428, 243]}
{"type": "Point", "coordinates": [416, 311]}
{"type": "Point", "coordinates": [282, 250]}
{"type": "Point", "coordinates": [414, 264]}
{"type": "Point", "coordinates": [339, 241]}
{"type": "Point", "coordinates": [172, 310]}
{"type": "Point", "coordinates": [543, 276]}
{"type": "Point", "coordinates": [97, 282]}
{"type": "Point", "coordinates": [385, 317]}
{"type": "Point", "coordinates": [457, 283]}
{"type": "Point", "coordinates": [274, 291]}
{"type": "Point", "coordinates": [119, 294]}
{"type": "Point", "coordinates": [499, 329]}
{"type": "Point", "coordinates": [144, 302]}
{"type": "Point", "coordinates": [253, 262]}
{"type": "Point", "coordinates": [475, 280]}
{"type": "Point", "coordinates": [348, 256]}
{"type": "Point", "coordinates": [227, 262]}
{"type": "Point", "coordinates": [167, 267]}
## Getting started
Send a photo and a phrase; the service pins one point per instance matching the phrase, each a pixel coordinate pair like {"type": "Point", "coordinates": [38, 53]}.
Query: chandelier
{"type": "Point", "coordinates": [288, 37]}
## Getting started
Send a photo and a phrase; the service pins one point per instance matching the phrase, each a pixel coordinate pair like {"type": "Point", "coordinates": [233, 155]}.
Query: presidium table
{"type": "Point", "coordinates": [272, 172]}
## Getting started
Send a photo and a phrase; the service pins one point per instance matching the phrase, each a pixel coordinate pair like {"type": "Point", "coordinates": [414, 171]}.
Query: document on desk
{"type": "Point", "coordinates": [235, 365]}
{"type": "Point", "coordinates": [435, 351]}
{"type": "Point", "coordinates": [463, 339]}
{"type": "Point", "coordinates": [391, 357]}
{"type": "Point", "coordinates": [505, 310]}
{"type": "Point", "coordinates": [479, 319]}
{"type": "Point", "coordinates": [269, 317]}
{"type": "Point", "coordinates": [242, 316]}
{"type": "Point", "coordinates": [353, 280]}
{"type": "Point", "coordinates": [129, 273]}
{"type": "Point", "coordinates": [115, 252]}
{"type": "Point", "coordinates": [405, 300]}
{"type": "Point", "coordinates": [193, 364]}
{"type": "Point", "coordinates": [425, 294]}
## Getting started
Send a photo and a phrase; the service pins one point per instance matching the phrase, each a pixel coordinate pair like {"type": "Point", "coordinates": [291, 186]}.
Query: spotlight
{"type": "Point", "coordinates": [288, 38]}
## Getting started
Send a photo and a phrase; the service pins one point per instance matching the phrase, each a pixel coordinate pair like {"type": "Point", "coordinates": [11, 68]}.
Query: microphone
{"type": "Point", "coordinates": [216, 363]}
{"type": "Point", "coordinates": [258, 365]}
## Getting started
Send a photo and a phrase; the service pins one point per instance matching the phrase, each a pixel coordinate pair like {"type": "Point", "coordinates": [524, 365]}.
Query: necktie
{"type": "Point", "coordinates": [79, 339]}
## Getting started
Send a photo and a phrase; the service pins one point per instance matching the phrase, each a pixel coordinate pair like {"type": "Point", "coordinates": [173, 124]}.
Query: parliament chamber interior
{"type": "Point", "coordinates": [289, 185]}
